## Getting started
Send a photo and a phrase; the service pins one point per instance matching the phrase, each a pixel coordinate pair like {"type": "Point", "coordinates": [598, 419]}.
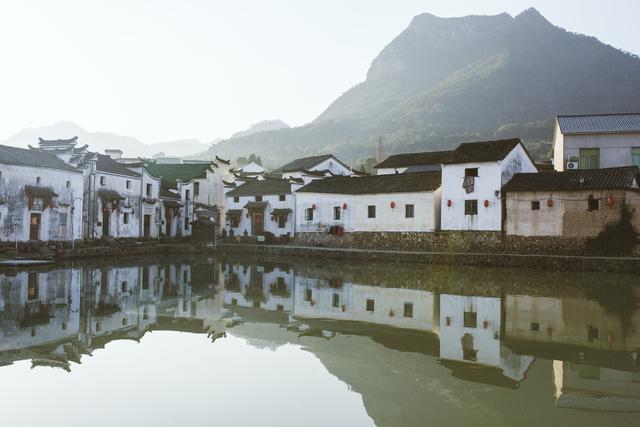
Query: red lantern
{"type": "Point", "coordinates": [486, 203]}
{"type": "Point", "coordinates": [550, 202]}
{"type": "Point", "coordinates": [344, 206]}
{"type": "Point", "coordinates": [449, 203]}
{"type": "Point", "coordinates": [393, 205]}
{"type": "Point", "coordinates": [610, 200]}
{"type": "Point", "coordinates": [313, 206]}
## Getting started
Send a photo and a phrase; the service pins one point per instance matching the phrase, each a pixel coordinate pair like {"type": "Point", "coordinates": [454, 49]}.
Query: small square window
{"type": "Point", "coordinates": [371, 211]}
{"type": "Point", "coordinates": [593, 333]}
{"type": "Point", "coordinates": [196, 189]}
{"type": "Point", "coordinates": [103, 180]}
{"type": "Point", "coordinates": [149, 189]}
{"type": "Point", "coordinates": [335, 300]}
{"type": "Point", "coordinates": [336, 213]}
{"type": "Point", "coordinates": [408, 309]}
{"type": "Point", "coordinates": [125, 218]}
{"type": "Point", "coordinates": [535, 326]}
{"type": "Point", "coordinates": [470, 319]}
{"type": "Point", "coordinates": [471, 172]}
{"type": "Point", "coordinates": [471, 207]}
{"type": "Point", "coordinates": [258, 198]}
{"type": "Point", "coordinates": [308, 295]}
{"type": "Point", "coordinates": [371, 305]}
{"type": "Point", "coordinates": [236, 199]}
{"type": "Point", "coordinates": [408, 211]}
{"type": "Point", "coordinates": [128, 185]}
{"type": "Point", "coordinates": [38, 180]}
{"type": "Point", "coordinates": [234, 301]}
{"type": "Point", "coordinates": [280, 307]}
{"type": "Point", "coordinates": [593, 203]}
{"type": "Point", "coordinates": [535, 205]}
{"type": "Point", "coordinates": [282, 197]}
{"type": "Point", "coordinates": [68, 184]}
{"type": "Point", "coordinates": [308, 214]}
{"type": "Point", "coordinates": [256, 304]}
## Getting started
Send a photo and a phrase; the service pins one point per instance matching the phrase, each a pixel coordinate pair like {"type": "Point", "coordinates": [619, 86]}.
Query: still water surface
{"type": "Point", "coordinates": [235, 342]}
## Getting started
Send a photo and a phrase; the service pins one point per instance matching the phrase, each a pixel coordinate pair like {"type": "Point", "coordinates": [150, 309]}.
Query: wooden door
{"type": "Point", "coordinates": [147, 225]}
{"type": "Point", "coordinates": [106, 216]}
{"type": "Point", "coordinates": [258, 224]}
{"type": "Point", "coordinates": [34, 226]}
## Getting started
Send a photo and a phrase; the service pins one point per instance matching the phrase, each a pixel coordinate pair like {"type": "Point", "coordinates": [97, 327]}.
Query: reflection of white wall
{"type": "Point", "coordinates": [525, 314]}
{"type": "Point", "coordinates": [276, 285]}
{"type": "Point", "coordinates": [388, 304]}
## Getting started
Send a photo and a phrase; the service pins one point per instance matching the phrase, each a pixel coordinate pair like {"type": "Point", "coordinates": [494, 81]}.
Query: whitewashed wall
{"type": "Point", "coordinates": [273, 301]}
{"type": "Point", "coordinates": [488, 186]}
{"type": "Point", "coordinates": [13, 201]}
{"type": "Point", "coordinates": [615, 149]}
{"type": "Point", "coordinates": [131, 205]}
{"type": "Point", "coordinates": [390, 171]}
{"type": "Point", "coordinates": [355, 217]}
{"type": "Point", "coordinates": [269, 225]}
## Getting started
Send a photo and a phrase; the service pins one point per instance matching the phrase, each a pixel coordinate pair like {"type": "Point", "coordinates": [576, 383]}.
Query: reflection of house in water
{"type": "Point", "coordinates": [267, 286]}
{"type": "Point", "coordinates": [332, 299]}
{"type": "Point", "coordinates": [38, 309]}
{"type": "Point", "coordinates": [470, 338]}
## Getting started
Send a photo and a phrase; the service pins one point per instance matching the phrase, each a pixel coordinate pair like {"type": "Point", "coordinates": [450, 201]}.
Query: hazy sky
{"type": "Point", "coordinates": [162, 70]}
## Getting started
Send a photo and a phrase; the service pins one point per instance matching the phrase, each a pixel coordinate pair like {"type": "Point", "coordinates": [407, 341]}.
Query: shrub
{"type": "Point", "coordinates": [617, 238]}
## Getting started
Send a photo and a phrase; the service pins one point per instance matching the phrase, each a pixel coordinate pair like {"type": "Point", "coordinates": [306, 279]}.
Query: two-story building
{"type": "Point", "coordinates": [595, 141]}
{"type": "Point", "coordinates": [41, 196]}
{"type": "Point", "coordinates": [260, 206]}
{"type": "Point", "coordinates": [472, 180]}
{"type": "Point", "coordinates": [394, 203]}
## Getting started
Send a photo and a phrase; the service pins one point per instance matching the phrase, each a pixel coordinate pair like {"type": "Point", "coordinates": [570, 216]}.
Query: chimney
{"type": "Point", "coordinates": [114, 153]}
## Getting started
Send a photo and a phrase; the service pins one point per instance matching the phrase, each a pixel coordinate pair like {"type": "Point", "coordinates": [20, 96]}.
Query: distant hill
{"type": "Point", "coordinates": [99, 141]}
{"type": "Point", "coordinates": [262, 126]}
{"type": "Point", "coordinates": [447, 80]}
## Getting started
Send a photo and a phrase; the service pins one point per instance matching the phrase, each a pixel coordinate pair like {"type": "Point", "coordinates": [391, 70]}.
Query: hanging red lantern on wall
{"type": "Point", "coordinates": [449, 203]}
{"type": "Point", "coordinates": [550, 202]}
{"type": "Point", "coordinates": [393, 205]}
{"type": "Point", "coordinates": [486, 203]}
{"type": "Point", "coordinates": [344, 206]}
{"type": "Point", "coordinates": [610, 200]}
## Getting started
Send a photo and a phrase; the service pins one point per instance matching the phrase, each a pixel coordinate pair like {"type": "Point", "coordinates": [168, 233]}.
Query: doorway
{"type": "Point", "coordinates": [34, 226]}
{"type": "Point", "coordinates": [257, 225]}
{"type": "Point", "coordinates": [106, 216]}
{"type": "Point", "coordinates": [147, 226]}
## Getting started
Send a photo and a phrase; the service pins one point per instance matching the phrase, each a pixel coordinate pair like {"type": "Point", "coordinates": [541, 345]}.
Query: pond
{"type": "Point", "coordinates": [277, 342]}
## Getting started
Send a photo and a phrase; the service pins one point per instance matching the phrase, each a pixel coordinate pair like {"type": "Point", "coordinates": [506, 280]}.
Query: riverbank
{"type": "Point", "coordinates": [531, 261]}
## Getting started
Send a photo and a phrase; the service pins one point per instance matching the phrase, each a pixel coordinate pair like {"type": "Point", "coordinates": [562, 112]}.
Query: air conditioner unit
{"type": "Point", "coordinates": [572, 165]}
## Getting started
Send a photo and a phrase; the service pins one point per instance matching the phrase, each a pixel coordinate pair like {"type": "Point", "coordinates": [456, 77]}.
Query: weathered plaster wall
{"type": "Point", "coordinates": [615, 149]}
{"type": "Point", "coordinates": [131, 205]}
{"type": "Point", "coordinates": [273, 202]}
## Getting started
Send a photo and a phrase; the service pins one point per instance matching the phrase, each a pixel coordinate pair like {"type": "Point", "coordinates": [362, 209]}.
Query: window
{"type": "Point", "coordinates": [38, 180]}
{"type": "Point", "coordinates": [535, 326]}
{"type": "Point", "coordinates": [593, 203]}
{"type": "Point", "coordinates": [98, 327]}
{"type": "Point", "coordinates": [408, 211]}
{"type": "Point", "coordinates": [236, 199]}
{"type": "Point", "coordinates": [335, 300]}
{"type": "Point", "coordinates": [128, 185]}
{"type": "Point", "coordinates": [280, 307]}
{"type": "Point", "coordinates": [33, 288]}
{"type": "Point", "coordinates": [125, 321]}
{"type": "Point", "coordinates": [185, 276]}
{"type": "Point", "coordinates": [535, 205]}
{"type": "Point", "coordinates": [124, 286]}
{"type": "Point", "coordinates": [471, 172]}
{"type": "Point", "coordinates": [68, 184]}
{"type": "Point", "coordinates": [234, 301]}
{"type": "Point", "coordinates": [258, 198]}
{"type": "Point", "coordinates": [145, 277]}
{"type": "Point", "coordinates": [336, 213]}
{"type": "Point", "coordinates": [64, 326]}
{"type": "Point", "coordinates": [593, 333]}
{"type": "Point", "coordinates": [408, 309]}
{"type": "Point", "coordinates": [471, 207]}
{"type": "Point", "coordinates": [63, 219]}
{"type": "Point", "coordinates": [371, 305]}
{"type": "Point", "coordinates": [282, 197]}
{"type": "Point", "coordinates": [186, 223]}
{"type": "Point", "coordinates": [196, 189]}
{"type": "Point", "coordinates": [371, 211]}
{"type": "Point", "coordinates": [256, 304]}
{"type": "Point", "coordinates": [589, 158]}
{"type": "Point", "coordinates": [148, 189]}
{"type": "Point", "coordinates": [308, 214]}
{"type": "Point", "coordinates": [307, 295]}
{"type": "Point", "coordinates": [635, 156]}
{"type": "Point", "coordinates": [470, 319]}
{"type": "Point", "coordinates": [125, 218]}
{"type": "Point", "coordinates": [187, 194]}
{"type": "Point", "coordinates": [103, 180]}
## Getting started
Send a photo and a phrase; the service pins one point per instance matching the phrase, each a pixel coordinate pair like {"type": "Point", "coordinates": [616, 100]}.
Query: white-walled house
{"type": "Point", "coordinates": [322, 163]}
{"type": "Point", "coordinates": [394, 203]}
{"type": "Point", "coordinates": [595, 141]}
{"type": "Point", "coordinates": [41, 196]}
{"type": "Point", "coordinates": [256, 207]}
{"type": "Point", "coordinates": [412, 162]}
{"type": "Point", "coordinates": [472, 180]}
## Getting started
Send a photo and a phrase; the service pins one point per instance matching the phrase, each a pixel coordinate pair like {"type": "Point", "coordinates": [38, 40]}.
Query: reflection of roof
{"type": "Point", "coordinates": [393, 183]}
{"type": "Point", "coordinates": [591, 179]}
{"type": "Point", "coordinates": [260, 188]}
{"type": "Point", "coordinates": [33, 158]}
{"type": "Point", "coordinates": [234, 212]}
{"type": "Point", "coordinates": [414, 159]}
{"type": "Point", "coordinates": [479, 374]}
{"type": "Point", "coordinates": [600, 123]}
{"type": "Point", "coordinates": [479, 152]}
{"type": "Point", "coordinates": [598, 403]}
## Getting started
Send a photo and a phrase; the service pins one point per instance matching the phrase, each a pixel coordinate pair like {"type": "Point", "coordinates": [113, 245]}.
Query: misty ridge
{"type": "Point", "coordinates": [442, 81]}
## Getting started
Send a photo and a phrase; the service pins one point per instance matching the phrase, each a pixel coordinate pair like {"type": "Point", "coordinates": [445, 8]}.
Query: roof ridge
{"type": "Point", "coordinates": [597, 114]}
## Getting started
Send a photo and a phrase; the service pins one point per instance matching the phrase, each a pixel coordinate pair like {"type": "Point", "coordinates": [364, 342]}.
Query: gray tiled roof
{"type": "Point", "coordinates": [592, 179]}
{"type": "Point", "coordinates": [34, 158]}
{"type": "Point", "coordinates": [107, 164]}
{"type": "Point", "coordinates": [600, 123]}
{"type": "Point", "coordinates": [414, 159]}
{"type": "Point", "coordinates": [306, 163]}
{"type": "Point", "coordinates": [260, 188]}
{"type": "Point", "coordinates": [484, 151]}
{"type": "Point", "coordinates": [375, 184]}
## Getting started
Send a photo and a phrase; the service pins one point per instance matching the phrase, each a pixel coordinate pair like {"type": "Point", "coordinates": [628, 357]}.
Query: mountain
{"type": "Point", "coordinates": [262, 126]}
{"type": "Point", "coordinates": [99, 141]}
{"type": "Point", "coordinates": [443, 81]}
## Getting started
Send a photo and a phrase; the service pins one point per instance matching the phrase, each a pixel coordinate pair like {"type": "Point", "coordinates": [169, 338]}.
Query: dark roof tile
{"type": "Point", "coordinates": [107, 164]}
{"type": "Point", "coordinates": [306, 163]}
{"type": "Point", "coordinates": [260, 188]}
{"type": "Point", "coordinates": [592, 179]}
{"type": "Point", "coordinates": [414, 159]}
{"type": "Point", "coordinates": [34, 158]}
{"type": "Point", "coordinates": [482, 152]}
{"type": "Point", "coordinates": [184, 172]}
{"type": "Point", "coordinates": [394, 183]}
